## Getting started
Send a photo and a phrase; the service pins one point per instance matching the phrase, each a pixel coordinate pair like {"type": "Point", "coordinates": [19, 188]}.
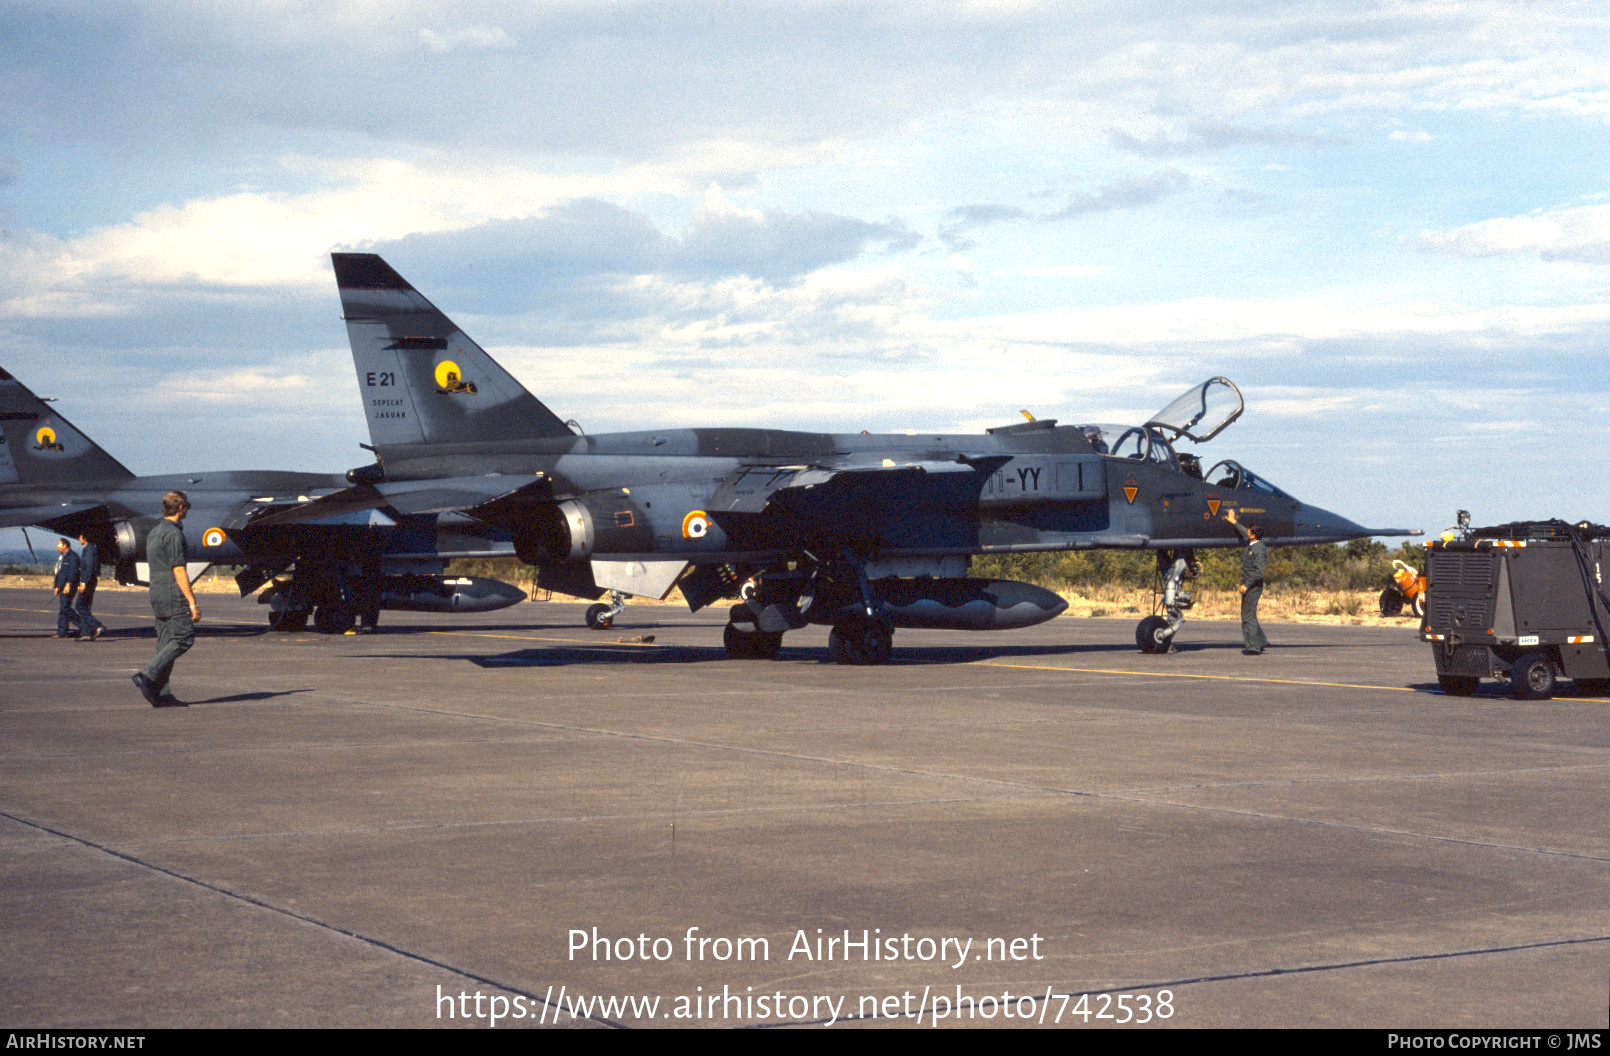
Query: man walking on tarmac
{"type": "Point", "coordinates": [1254, 563]}
{"type": "Point", "coordinates": [65, 588]}
{"type": "Point", "coordinates": [89, 570]}
{"type": "Point", "coordinates": [172, 601]}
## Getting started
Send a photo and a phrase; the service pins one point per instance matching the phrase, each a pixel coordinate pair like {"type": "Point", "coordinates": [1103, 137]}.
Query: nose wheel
{"type": "Point", "coordinates": [1171, 596]}
{"type": "Point", "coordinates": [1153, 635]}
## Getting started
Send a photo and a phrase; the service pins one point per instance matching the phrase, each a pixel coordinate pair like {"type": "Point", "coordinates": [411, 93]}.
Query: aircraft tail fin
{"type": "Point", "coordinates": [422, 379]}
{"type": "Point", "coordinates": [39, 446]}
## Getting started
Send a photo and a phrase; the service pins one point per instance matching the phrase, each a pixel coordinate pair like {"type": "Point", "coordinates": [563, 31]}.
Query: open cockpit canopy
{"type": "Point", "coordinates": [1201, 413]}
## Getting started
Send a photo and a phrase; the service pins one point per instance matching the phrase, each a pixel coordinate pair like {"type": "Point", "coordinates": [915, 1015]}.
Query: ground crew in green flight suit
{"type": "Point", "coordinates": [172, 601]}
{"type": "Point", "coordinates": [1254, 563]}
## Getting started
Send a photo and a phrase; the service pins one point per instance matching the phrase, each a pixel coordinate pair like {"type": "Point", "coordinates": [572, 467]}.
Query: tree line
{"type": "Point", "coordinates": [1361, 564]}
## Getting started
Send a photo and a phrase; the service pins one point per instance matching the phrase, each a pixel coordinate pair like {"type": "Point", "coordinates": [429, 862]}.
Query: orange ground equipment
{"type": "Point", "coordinates": [1408, 589]}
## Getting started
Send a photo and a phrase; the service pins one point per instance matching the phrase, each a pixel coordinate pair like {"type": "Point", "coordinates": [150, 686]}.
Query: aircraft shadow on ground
{"type": "Point", "coordinates": [605, 652]}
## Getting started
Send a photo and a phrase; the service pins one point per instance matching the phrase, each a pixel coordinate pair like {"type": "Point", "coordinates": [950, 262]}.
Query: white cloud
{"type": "Point", "coordinates": [1579, 234]}
{"type": "Point", "coordinates": [265, 239]}
{"type": "Point", "coordinates": [470, 38]}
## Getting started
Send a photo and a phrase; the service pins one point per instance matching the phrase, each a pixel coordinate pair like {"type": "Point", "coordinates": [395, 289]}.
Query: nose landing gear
{"type": "Point", "coordinates": [1170, 599]}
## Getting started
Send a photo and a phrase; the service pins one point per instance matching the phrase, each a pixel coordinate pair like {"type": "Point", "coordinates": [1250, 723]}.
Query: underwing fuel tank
{"type": "Point", "coordinates": [435, 594]}
{"type": "Point", "coordinates": [955, 604]}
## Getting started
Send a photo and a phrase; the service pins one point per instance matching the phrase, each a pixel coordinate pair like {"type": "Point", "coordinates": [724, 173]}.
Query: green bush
{"type": "Point", "coordinates": [1361, 564]}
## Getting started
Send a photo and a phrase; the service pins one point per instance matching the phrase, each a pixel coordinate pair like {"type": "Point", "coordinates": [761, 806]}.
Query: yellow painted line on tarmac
{"type": "Point", "coordinates": [538, 638]}
{"type": "Point", "coordinates": [1216, 678]}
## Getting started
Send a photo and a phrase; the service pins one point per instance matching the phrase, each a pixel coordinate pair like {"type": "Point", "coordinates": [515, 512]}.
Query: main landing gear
{"type": "Point", "coordinates": [326, 597]}
{"type": "Point", "coordinates": [783, 600]}
{"type": "Point", "coordinates": [745, 640]}
{"type": "Point", "coordinates": [862, 640]}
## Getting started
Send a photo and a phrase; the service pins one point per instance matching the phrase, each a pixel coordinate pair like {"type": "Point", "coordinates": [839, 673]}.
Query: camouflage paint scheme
{"type": "Point", "coordinates": [54, 477]}
{"type": "Point", "coordinates": [724, 512]}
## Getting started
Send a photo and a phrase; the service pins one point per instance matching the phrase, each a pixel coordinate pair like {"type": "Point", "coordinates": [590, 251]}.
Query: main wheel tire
{"type": "Point", "coordinates": [1151, 635]}
{"type": "Point", "coordinates": [287, 620]}
{"type": "Point", "coordinates": [333, 619]}
{"type": "Point", "coordinates": [1391, 602]}
{"type": "Point", "coordinates": [1533, 677]}
{"type": "Point", "coordinates": [863, 642]}
{"type": "Point", "coordinates": [1592, 687]}
{"type": "Point", "coordinates": [1458, 685]}
{"type": "Point", "coordinates": [598, 617]}
{"type": "Point", "coordinates": [751, 645]}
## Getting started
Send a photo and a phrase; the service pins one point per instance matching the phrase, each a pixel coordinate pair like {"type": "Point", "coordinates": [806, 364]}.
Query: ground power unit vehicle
{"type": "Point", "coordinates": [1525, 601]}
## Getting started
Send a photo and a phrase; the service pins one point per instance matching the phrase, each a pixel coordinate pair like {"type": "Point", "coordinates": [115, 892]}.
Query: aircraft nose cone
{"type": "Point", "coordinates": [1314, 525]}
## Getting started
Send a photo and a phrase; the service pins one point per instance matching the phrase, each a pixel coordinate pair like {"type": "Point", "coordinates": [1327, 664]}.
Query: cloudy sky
{"type": "Point", "coordinates": [1388, 222]}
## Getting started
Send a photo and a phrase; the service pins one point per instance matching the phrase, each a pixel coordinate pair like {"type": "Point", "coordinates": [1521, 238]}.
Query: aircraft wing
{"type": "Point", "coordinates": [914, 504]}
{"type": "Point", "coordinates": [403, 498]}
{"type": "Point", "coordinates": [24, 516]}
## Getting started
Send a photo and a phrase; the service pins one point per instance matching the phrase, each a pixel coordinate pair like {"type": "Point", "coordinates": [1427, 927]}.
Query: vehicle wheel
{"type": "Point", "coordinates": [1151, 634]}
{"type": "Point", "coordinates": [1458, 685]}
{"type": "Point", "coordinates": [751, 645]}
{"type": "Point", "coordinates": [598, 618]}
{"type": "Point", "coordinates": [1592, 687]}
{"type": "Point", "coordinates": [862, 642]}
{"type": "Point", "coordinates": [333, 619]}
{"type": "Point", "coordinates": [287, 620]}
{"type": "Point", "coordinates": [1420, 605]}
{"type": "Point", "coordinates": [1391, 602]}
{"type": "Point", "coordinates": [1533, 677]}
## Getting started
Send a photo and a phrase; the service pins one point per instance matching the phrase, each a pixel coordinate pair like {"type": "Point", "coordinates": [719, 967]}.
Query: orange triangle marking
{"type": "Point", "coordinates": [1213, 506]}
{"type": "Point", "coordinates": [1130, 491]}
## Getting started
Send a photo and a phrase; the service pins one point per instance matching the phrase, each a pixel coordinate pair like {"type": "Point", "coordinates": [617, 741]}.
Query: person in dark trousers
{"type": "Point", "coordinates": [1254, 564]}
{"type": "Point", "coordinates": [172, 601]}
{"type": "Point", "coordinates": [90, 629]}
{"type": "Point", "coordinates": [66, 587]}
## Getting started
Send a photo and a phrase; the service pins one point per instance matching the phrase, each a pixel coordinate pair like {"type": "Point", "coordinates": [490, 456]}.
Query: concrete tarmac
{"type": "Point", "coordinates": [508, 812]}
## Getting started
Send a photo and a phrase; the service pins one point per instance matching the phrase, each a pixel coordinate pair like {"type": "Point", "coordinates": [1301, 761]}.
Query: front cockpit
{"type": "Point", "coordinates": [1232, 476]}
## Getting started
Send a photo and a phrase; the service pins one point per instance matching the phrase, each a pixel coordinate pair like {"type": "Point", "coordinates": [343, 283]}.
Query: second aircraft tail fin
{"type": "Point", "coordinates": [39, 446]}
{"type": "Point", "coordinates": [422, 379]}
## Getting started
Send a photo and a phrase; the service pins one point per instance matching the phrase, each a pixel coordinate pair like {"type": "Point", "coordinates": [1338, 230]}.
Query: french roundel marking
{"type": "Point", "coordinates": [212, 537]}
{"type": "Point", "coordinates": [695, 524]}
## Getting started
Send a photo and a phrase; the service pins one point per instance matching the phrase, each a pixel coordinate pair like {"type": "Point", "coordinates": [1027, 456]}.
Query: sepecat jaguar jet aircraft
{"type": "Point", "coordinates": [55, 477]}
{"type": "Point", "coordinates": [864, 533]}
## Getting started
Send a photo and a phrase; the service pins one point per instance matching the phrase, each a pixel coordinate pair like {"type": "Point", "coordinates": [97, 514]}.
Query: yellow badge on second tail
{"type": "Point", "coordinates": [449, 379]}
